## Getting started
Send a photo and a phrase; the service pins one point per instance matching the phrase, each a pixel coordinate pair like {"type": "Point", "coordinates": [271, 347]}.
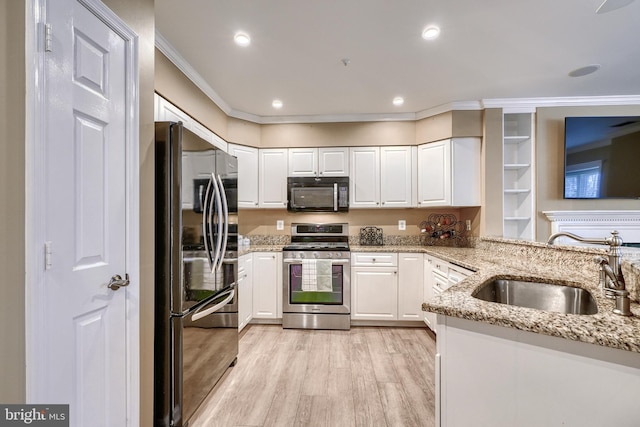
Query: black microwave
{"type": "Point", "coordinates": [318, 194]}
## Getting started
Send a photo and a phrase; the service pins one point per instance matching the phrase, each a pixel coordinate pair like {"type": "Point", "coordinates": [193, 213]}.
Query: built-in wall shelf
{"type": "Point", "coordinates": [518, 208]}
{"type": "Point", "coordinates": [516, 139]}
{"type": "Point", "coordinates": [516, 166]}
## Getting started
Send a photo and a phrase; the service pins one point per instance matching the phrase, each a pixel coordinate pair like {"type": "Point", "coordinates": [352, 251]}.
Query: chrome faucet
{"type": "Point", "coordinates": [611, 278]}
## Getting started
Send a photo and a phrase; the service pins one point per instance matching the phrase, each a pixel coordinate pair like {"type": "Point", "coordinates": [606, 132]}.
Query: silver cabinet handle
{"type": "Point", "coordinates": [118, 282]}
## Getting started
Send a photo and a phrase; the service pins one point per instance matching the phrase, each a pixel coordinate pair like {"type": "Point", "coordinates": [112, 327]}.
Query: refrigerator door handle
{"type": "Point", "coordinates": [225, 209]}
{"type": "Point", "coordinates": [218, 204]}
{"type": "Point", "coordinates": [206, 225]}
{"type": "Point", "coordinates": [197, 315]}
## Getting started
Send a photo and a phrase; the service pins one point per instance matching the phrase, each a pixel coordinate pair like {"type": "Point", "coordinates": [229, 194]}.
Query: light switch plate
{"type": "Point", "coordinates": [402, 224]}
{"type": "Point", "coordinates": [279, 224]}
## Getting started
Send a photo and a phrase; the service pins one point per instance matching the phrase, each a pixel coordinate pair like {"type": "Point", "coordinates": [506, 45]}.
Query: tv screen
{"type": "Point", "coordinates": [602, 157]}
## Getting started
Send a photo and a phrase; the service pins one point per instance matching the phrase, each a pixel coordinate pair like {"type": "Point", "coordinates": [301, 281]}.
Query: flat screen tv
{"type": "Point", "coordinates": [602, 157]}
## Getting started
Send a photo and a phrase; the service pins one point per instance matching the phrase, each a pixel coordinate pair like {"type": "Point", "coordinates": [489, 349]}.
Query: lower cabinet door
{"type": "Point", "coordinates": [374, 293]}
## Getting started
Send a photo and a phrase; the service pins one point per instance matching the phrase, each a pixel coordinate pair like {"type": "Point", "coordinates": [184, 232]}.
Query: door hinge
{"type": "Point", "coordinates": [47, 37]}
{"type": "Point", "coordinates": [47, 255]}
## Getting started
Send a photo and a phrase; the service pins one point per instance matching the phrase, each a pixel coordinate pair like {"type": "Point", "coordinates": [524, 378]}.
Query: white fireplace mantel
{"type": "Point", "coordinates": [595, 224]}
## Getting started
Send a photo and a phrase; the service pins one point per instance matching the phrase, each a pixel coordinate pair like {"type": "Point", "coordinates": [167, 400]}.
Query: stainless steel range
{"type": "Point", "coordinates": [316, 276]}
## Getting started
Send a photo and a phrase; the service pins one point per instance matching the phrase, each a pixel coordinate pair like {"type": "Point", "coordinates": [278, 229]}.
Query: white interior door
{"type": "Point", "coordinates": [85, 213]}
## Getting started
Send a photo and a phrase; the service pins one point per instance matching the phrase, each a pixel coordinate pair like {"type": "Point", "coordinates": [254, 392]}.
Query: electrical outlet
{"type": "Point", "coordinates": [279, 224]}
{"type": "Point", "coordinates": [402, 224]}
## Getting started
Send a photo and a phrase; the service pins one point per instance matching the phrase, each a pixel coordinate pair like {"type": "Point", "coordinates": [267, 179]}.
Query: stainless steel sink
{"type": "Point", "coordinates": [541, 296]}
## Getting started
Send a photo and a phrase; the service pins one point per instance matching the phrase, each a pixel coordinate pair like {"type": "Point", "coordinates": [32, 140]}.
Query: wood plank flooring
{"type": "Point", "coordinates": [367, 376]}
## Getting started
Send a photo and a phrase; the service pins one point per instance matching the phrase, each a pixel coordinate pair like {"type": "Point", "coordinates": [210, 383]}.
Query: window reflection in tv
{"type": "Point", "coordinates": [602, 157]}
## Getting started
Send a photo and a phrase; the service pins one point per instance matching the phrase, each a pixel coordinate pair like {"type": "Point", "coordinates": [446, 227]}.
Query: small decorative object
{"type": "Point", "coordinates": [371, 236]}
{"type": "Point", "coordinates": [443, 229]}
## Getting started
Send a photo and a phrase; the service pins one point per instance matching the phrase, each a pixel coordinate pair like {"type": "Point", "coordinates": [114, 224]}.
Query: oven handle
{"type": "Point", "coordinates": [197, 315]}
{"type": "Point", "coordinates": [299, 260]}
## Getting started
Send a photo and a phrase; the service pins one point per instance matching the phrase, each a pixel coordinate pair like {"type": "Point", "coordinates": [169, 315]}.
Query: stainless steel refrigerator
{"type": "Point", "coordinates": [196, 267]}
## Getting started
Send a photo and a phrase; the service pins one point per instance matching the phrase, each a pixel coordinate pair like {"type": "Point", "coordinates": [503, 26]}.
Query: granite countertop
{"type": "Point", "coordinates": [528, 260]}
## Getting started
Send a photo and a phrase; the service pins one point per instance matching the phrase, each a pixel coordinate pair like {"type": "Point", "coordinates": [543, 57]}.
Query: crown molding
{"type": "Point", "coordinates": [530, 104]}
{"type": "Point", "coordinates": [516, 105]}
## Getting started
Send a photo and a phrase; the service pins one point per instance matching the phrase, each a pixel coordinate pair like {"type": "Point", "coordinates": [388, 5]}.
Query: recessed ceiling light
{"type": "Point", "coordinates": [398, 100]}
{"type": "Point", "coordinates": [276, 103]}
{"type": "Point", "coordinates": [431, 32]}
{"type": "Point", "coordinates": [583, 71]}
{"type": "Point", "coordinates": [242, 39]}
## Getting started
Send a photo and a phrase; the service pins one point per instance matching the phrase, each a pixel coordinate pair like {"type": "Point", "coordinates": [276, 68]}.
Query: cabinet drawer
{"type": "Point", "coordinates": [381, 259]}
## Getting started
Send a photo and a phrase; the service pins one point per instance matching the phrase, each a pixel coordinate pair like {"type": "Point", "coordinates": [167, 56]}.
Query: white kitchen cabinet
{"type": "Point", "coordinates": [267, 285]}
{"type": "Point", "coordinates": [374, 286]}
{"type": "Point", "coordinates": [165, 111]}
{"type": "Point", "coordinates": [333, 161]}
{"type": "Point", "coordinates": [303, 162]}
{"type": "Point", "coordinates": [272, 183]}
{"type": "Point", "coordinates": [449, 173]}
{"type": "Point", "coordinates": [410, 286]}
{"type": "Point", "coordinates": [428, 282]}
{"type": "Point", "coordinates": [364, 182]}
{"type": "Point", "coordinates": [245, 290]}
{"type": "Point", "coordinates": [518, 156]}
{"type": "Point", "coordinates": [439, 275]}
{"type": "Point", "coordinates": [248, 171]}
{"type": "Point", "coordinates": [323, 161]}
{"type": "Point", "coordinates": [381, 177]}
{"type": "Point", "coordinates": [395, 177]}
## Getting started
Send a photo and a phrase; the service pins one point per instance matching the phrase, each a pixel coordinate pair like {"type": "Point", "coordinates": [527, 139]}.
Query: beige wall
{"type": "Point", "coordinates": [12, 208]}
{"type": "Point", "coordinates": [338, 134]}
{"type": "Point", "coordinates": [174, 86]}
{"type": "Point", "coordinates": [140, 16]}
{"type": "Point", "coordinates": [550, 158]}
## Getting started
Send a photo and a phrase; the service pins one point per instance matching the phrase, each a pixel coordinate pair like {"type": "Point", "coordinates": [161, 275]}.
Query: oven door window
{"type": "Point", "coordinates": [321, 283]}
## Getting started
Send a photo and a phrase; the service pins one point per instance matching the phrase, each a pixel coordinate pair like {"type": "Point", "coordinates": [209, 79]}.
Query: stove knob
{"type": "Point", "coordinates": [316, 254]}
{"type": "Point", "coordinates": [338, 255]}
{"type": "Point", "coordinates": [301, 254]}
{"type": "Point", "coordinates": [330, 255]}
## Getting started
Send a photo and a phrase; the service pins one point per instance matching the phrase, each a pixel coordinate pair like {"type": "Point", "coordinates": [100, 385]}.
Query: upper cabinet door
{"type": "Point", "coordinates": [364, 181]}
{"type": "Point", "coordinates": [303, 161]}
{"type": "Point", "coordinates": [248, 171]}
{"type": "Point", "coordinates": [333, 161]}
{"type": "Point", "coordinates": [273, 178]}
{"type": "Point", "coordinates": [434, 174]}
{"type": "Point", "coordinates": [449, 173]}
{"type": "Point", "coordinates": [395, 176]}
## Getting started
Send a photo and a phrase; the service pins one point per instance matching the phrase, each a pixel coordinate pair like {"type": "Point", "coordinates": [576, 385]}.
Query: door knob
{"type": "Point", "coordinates": [118, 282]}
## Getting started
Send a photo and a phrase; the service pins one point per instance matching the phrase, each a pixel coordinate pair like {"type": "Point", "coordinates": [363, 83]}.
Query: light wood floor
{"type": "Point", "coordinates": [367, 376]}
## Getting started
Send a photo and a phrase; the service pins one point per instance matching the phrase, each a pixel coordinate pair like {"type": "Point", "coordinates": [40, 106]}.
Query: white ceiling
{"type": "Point", "coordinates": [489, 49]}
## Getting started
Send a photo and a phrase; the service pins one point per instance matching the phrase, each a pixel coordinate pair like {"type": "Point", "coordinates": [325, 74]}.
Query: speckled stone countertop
{"type": "Point", "coordinates": [491, 258]}
{"type": "Point", "coordinates": [556, 264]}
{"type": "Point", "coordinates": [567, 265]}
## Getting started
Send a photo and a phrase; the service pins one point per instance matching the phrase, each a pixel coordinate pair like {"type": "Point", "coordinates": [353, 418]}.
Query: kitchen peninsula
{"type": "Point", "coordinates": [502, 365]}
